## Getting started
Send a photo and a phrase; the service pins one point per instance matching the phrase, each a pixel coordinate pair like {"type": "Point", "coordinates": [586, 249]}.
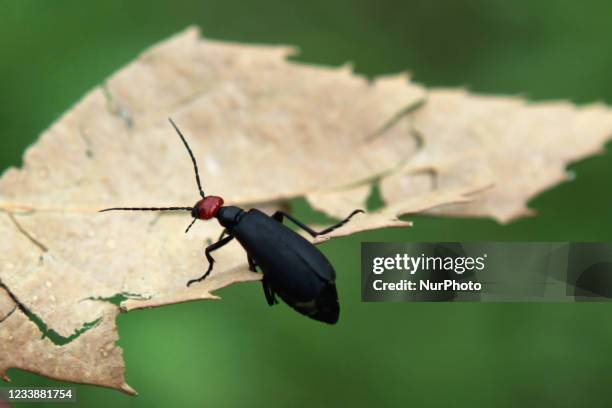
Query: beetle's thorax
{"type": "Point", "coordinates": [229, 216]}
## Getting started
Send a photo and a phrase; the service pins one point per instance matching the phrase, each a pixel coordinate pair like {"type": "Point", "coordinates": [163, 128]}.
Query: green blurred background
{"type": "Point", "coordinates": [240, 352]}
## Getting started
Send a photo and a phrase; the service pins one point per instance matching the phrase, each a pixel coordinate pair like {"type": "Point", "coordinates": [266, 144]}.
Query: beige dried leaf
{"type": "Point", "coordinates": [93, 359]}
{"type": "Point", "coordinates": [262, 128]}
{"type": "Point", "coordinates": [336, 203]}
{"type": "Point", "coordinates": [509, 149]}
{"type": "Point", "coordinates": [521, 148]}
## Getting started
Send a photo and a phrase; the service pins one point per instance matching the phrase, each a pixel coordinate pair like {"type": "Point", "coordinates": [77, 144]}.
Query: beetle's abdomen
{"type": "Point", "coordinates": [294, 268]}
{"type": "Point", "coordinates": [325, 307]}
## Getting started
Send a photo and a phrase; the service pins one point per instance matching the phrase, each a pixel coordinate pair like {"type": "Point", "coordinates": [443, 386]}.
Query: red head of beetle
{"type": "Point", "coordinates": [207, 208]}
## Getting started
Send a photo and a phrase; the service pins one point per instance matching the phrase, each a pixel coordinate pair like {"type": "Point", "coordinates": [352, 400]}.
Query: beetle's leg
{"type": "Point", "coordinates": [222, 234]}
{"type": "Point", "coordinates": [218, 239]}
{"type": "Point", "coordinates": [252, 264]}
{"type": "Point", "coordinates": [270, 297]}
{"type": "Point", "coordinates": [279, 215]}
{"type": "Point", "coordinates": [211, 260]}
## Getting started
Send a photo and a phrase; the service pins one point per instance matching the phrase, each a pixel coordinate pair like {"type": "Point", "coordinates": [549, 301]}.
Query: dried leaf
{"type": "Point", "coordinates": [94, 359]}
{"type": "Point", "coordinates": [263, 129]}
{"type": "Point", "coordinates": [337, 202]}
{"type": "Point", "coordinates": [509, 149]}
{"type": "Point", "coordinates": [521, 148]}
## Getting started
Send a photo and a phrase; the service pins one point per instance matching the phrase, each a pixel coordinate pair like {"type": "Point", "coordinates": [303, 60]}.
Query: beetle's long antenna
{"type": "Point", "coordinates": [195, 165]}
{"type": "Point", "coordinates": [148, 209]}
{"type": "Point", "coordinates": [190, 225]}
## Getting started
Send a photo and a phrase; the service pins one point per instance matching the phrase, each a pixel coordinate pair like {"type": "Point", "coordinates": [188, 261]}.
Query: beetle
{"type": "Point", "coordinates": [293, 268]}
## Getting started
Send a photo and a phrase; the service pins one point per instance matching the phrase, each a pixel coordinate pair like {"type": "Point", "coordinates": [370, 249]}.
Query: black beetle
{"type": "Point", "coordinates": [292, 267]}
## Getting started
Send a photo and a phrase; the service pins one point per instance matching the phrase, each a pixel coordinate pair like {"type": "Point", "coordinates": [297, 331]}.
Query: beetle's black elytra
{"type": "Point", "coordinates": [292, 267]}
